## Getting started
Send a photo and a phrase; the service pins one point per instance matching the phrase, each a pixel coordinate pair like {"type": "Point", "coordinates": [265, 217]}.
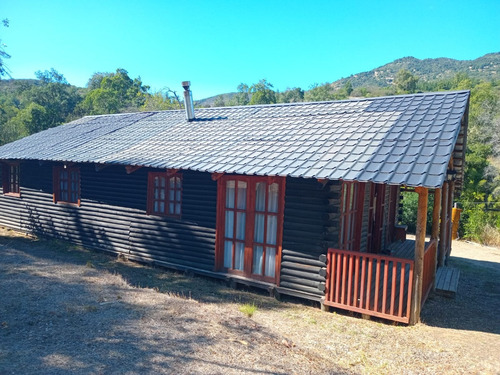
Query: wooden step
{"type": "Point", "coordinates": [447, 281]}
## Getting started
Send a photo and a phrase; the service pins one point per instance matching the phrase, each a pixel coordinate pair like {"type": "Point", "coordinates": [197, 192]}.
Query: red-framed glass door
{"type": "Point", "coordinates": [250, 226]}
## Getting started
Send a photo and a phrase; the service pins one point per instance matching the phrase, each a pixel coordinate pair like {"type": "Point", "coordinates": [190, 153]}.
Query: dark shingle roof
{"type": "Point", "coordinates": [404, 140]}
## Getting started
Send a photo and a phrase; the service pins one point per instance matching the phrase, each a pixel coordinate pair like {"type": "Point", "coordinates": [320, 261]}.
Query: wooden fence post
{"type": "Point", "coordinates": [418, 273]}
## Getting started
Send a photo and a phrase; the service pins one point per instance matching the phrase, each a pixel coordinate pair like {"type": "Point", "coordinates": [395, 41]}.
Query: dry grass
{"type": "Point", "coordinates": [490, 236]}
{"type": "Point", "coordinates": [59, 315]}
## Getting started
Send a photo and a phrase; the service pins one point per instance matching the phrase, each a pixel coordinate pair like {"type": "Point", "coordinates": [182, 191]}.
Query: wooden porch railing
{"type": "Point", "coordinates": [370, 284]}
{"type": "Point", "coordinates": [429, 269]}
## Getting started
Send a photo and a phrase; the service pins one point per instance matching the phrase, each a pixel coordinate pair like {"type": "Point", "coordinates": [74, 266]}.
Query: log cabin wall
{"type": "Point", "coordinates": [112, 215]}
{"type": "Point", "coordinates": [366, 217]}
{"type": "Point", "coordinates": [310, 226]}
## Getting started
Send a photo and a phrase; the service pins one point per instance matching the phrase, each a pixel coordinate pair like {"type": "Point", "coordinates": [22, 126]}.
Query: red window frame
{"type": "Point", "coordinates": [10, 179]}
{"type": "Point", "coordinates": [165, 194]}
{"type": "Point", "coordinates": [66, 185]}
{"type": "Point", "coordinates": [250, 211]}
{"type": "Point", "coordinates": [352, 196]}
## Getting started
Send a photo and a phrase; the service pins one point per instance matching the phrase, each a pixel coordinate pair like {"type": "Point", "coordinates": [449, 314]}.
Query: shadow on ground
{"type": "Point", "coordinates": [477, 303]}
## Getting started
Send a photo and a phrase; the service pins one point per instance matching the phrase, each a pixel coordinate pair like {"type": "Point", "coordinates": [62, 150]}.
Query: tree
{"type": "Point", "coordinates": [113, 93]}
{"type": "Point", "coordinates": [319, 93]}
{"type": "Point", "coordinates": [293, 95]}
{"type": "Point", "coordinates": [4, 71]}
{"type": "Point", "coordinates": [51, 76]}
{"type": "Point", "coordinates": [348, 87]}
{"type": "Point", "coordinates": [406, 82]}
{"type": "Point", "coordinates": [243, 96]}
{"type": "Point", "coordinates": [219, 101]}
{"type": "Point", "coordinates": [262, 93]}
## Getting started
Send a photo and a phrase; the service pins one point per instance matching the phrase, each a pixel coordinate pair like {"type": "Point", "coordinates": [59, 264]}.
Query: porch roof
{"type": "Point", "coordinates": [403, 140]}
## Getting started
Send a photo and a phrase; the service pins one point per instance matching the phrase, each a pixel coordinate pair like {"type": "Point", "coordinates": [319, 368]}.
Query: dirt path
{"type": "Point", "coordinates": [68, 310]}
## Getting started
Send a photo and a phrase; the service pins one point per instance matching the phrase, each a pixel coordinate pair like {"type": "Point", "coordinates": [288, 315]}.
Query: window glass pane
{"type": "Point", "coordinates": [171, 208]}
{"type": "Point", "coordinates": [272, 197]}
{"type": "Point", "coordinates": [270, 261]}
{"type": "Point", "coordinates": [162, 182]}
{"type": "Point", "coordinates": [272, 229]}
{"type": "Point", "coordinates": [259, 228]}
{"type": "Point", "coordinates": [156, 182]}
{"type": "Point", "coordinates": [239, 255]}
{"type": "Point", "coordinates": [157, 193]}
{"type": "Point", "coordinates": [258, 252]}
{"type": "Point", "coordinates": [228, 254]}
{"type": "Point", "coordinates": [230, 194]}
{"type": "Point", "coordinates": [172, 182]}
{"type": "Point", "coordinates": [162, 194]}
{"type": "Point", "coordinates": [242, 195]}
{"type": "Point", "coordinates": [178, 183]}
{"type": "Point", "coordinates": [162, 206]}
{"type": "Point", "coordinates": [178, 195]}
{"type": "Point", "coordinates": [171, 195]}
{"type": "Point", "coordinates": [155, 209]}
{"type": "Point", "coordinates": [240, 225]}
{"type": "Point", "coordinates": [260, 196]}
{"type": "Point", "coordinates": [229, 224]}
{"type": "Point", "coordinates": [177, 209]}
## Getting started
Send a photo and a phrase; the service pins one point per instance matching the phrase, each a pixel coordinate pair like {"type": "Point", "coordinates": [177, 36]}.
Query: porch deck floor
{"type": "Point", "coordinates": [403, 249]}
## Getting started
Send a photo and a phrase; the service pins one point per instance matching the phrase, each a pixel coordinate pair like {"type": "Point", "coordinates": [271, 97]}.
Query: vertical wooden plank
{"type": "Point", "coordinates": [344, 269]}
{"type": "Point", "coordinates": [349, 280]}
{"type": "Point", "coordinates": [337, 278]}
{"type": "Point", "coordinates": [363, 273]}
{"type": "Point", "coordinates": [410, 292]}
{"type": "Point", "coordinates": [369, 283]}
{"type": "Point", "coordinates": [435, 213]}
{"type": "Point", "coordinates": [356, 279]}
{"type": "Point", "coordinates": [393, 286]}
{"type": "Point", "coordinates": [384, 286]}
{"type": "Point", "coordinates": [377, 285]}
{"type": "Point", "coordinates": [442, 229]}
{"type": "Point", "coordinates": [401, 289]}
{"type": "Point", "coordinates": [419, 255]}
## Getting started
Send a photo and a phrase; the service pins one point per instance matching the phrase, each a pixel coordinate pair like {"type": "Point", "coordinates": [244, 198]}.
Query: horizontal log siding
{"type": "Point", "coordinates": [306, 221]}
{"type": "Point", "coordinates": [112, 215]}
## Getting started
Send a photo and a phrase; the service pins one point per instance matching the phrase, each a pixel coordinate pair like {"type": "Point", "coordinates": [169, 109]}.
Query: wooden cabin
{"type": "Point", "coordinates": [301, 199]}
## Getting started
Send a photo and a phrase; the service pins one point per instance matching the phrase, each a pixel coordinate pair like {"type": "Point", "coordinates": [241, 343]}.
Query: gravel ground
{"type": "Point", "coordinates": [69, 310]}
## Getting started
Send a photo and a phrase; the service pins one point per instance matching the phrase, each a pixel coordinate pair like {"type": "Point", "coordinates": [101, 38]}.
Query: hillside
{"type": "Point", "coordinates": [486, 67]}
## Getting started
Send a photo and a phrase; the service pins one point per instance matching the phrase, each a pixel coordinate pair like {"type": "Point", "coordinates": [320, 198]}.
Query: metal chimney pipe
{"type": "Point", "coordinates": [188, 101]}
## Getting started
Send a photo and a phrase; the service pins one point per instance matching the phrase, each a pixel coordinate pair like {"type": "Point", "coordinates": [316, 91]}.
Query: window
{"type": "Point", "coordinates": [66, 185]}
{"type": "Point", "coordinates": [351, 213]}
{"type": "Point", "coordinates": [164, 194]}
{"type": "Point", "coordinates": [250, 225]}
{"type": "Point", "coordinates": [10, 176]}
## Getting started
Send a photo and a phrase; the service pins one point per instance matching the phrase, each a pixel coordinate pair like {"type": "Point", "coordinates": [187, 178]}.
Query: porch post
{"type": "Point", "coordinates": [435, 214]}
{"type": "Point", "coordinates": [451, 191]}
{"type": "Point", "coordinates": [443, 228]}
{"type": "Point", "coordinates": [418, 271]}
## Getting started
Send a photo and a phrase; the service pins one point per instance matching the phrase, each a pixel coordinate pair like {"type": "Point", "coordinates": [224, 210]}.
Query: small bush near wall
{"type": "Point", "coordinates": [410, 206]}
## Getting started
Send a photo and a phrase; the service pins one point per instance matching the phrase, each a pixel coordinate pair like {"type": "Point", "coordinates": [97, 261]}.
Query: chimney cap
{"type": "Point", "coordinates": [186, 84]}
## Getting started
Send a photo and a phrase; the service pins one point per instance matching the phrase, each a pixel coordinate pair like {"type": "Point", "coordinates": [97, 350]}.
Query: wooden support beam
{"type": "Point", "coordinates": [216, 176]}
{"type": "Point", "coordinates": [132, 168]}
{"type": "Point", "coordinates": [449, 224]}
{"type": "Point", "coordinates": [418, 273]}
{"type": "Point", "coordinates": [435, 214]}
{"type": "Point", "coordinates": [171, 172]}
{"type": "Point", "coordinates": [443, 229]}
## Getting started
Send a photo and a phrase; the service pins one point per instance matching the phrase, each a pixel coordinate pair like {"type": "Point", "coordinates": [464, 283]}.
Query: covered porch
{"type": "Point", "coordinates": [393, 285]}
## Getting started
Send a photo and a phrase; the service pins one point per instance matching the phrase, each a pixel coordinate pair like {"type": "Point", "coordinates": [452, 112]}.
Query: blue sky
{"type": "Point", "coordinates": [219, 44]}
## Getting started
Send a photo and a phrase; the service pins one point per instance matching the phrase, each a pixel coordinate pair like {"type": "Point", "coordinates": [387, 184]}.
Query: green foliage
{"type": "Point", "coordinates": [159, 102]}
{"type": "Point", "coordinates": [410, 208]}
{"type": "Point", "coordinates": [219, 101]}
{"type": "Point", "coordinates": [262, 93]}
{"type": "Point", "coordinates": [4, 71]}
{"type": "Point", "coordinates": [248, 309]}
{"type": "Point", "coordinates": [114, 92]}
{"type": "Point", "coordinates": [405, 81]}
{"type": "Point", "coordinates": [294, 95]}
{"type": "Point", "coordinates": [243, 95]}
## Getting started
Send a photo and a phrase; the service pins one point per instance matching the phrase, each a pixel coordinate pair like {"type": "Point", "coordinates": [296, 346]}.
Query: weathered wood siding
{"type": "Point", "coordinates": [311, 218]}
{"type": "Point", "coordinates": [112, 215]}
